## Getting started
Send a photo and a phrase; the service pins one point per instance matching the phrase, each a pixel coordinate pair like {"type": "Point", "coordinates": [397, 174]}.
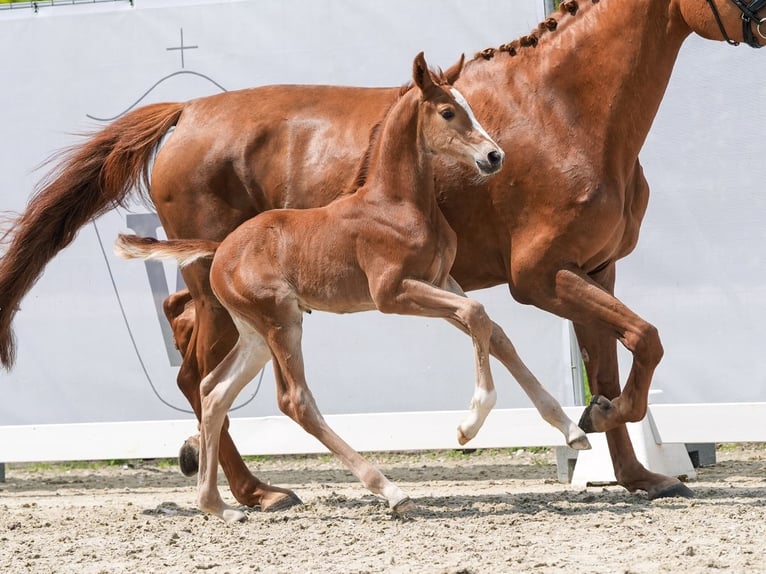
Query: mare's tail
{"type": "Point", "coordinates": [184, 251]}
{"type": "Point", "coordinates": [90, 179]}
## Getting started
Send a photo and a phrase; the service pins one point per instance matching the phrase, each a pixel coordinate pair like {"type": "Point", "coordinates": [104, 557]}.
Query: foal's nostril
{"type": "Point", "coordinates": [495, 158]}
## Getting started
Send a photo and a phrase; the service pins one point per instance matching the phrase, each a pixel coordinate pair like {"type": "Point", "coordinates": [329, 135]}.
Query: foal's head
{"type": "Point", "coordinates": [447, 121]}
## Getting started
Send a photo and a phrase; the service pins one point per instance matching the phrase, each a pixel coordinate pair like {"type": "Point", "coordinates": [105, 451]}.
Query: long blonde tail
{"type": "Point", "coordinates": [184, 251]}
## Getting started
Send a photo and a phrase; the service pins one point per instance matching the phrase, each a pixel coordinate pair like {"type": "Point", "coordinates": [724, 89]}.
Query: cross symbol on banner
{"type": "Point", "coordinates": [181, 48]}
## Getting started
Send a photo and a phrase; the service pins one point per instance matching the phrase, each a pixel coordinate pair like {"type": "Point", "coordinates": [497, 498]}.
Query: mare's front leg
{"type": "Point", "coordinates": [414, 297]}
{"type": "Point", "coordinates": [284, 330]}
{"type": "Point", "coordinates": [599, 351]}
{"type": "Point", "coordinates": [570, 293]}
{"type": "Point", "coordinates": [599, 319]}
{"type": "Point", "coordinates": [212, 335]}
{"type": "Point", "coordinates": [217, 392]}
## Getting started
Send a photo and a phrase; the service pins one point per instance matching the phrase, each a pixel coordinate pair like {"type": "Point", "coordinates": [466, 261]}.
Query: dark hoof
{"type": "Point", "coordinates": [404, 508]}
{"type": "Point", "coordinates": [678, 489]}
{"type": "Point", "coordinates": [188, 457]}
{"type": "Point", "coordinates": [283, 503]}
{"type": "Point", "coordinates": [586, 420]}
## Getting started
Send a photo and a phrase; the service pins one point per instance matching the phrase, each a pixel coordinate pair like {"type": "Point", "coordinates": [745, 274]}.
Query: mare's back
{"type": "Point", "coordinates": [286, 146]}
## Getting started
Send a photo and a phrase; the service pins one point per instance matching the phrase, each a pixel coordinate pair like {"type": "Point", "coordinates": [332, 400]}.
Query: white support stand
{"type": "Point", "coordinates": [595, 466]}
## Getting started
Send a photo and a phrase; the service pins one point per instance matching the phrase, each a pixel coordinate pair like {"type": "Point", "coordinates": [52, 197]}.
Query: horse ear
{"type": "Point", "coordinates": [453, 73]}
{"type": "Point", "coordinates": [420, 74]}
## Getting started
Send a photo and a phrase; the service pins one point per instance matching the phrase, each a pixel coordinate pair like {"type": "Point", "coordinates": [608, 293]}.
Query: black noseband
{"type": "Point", "coordinates": [749, 19]}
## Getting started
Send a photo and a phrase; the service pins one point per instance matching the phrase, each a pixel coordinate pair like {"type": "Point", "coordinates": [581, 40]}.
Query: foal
{"type": "Point", "coordinates": [385, 247]}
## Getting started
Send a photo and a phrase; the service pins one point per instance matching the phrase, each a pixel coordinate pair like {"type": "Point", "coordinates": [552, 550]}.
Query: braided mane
{"type": "Point", "coordinates": [550, 24]}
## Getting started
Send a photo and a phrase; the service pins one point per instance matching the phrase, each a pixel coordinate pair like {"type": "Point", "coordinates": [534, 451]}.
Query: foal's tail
{"type": "Point", "coordinates": [90, 179]}
{"type": "Point", "coordinates": [184, 251]}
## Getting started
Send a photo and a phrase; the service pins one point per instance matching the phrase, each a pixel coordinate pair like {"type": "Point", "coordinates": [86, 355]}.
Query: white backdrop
{"type": "Point", "coordinates": [79, 360]}
{"type": "Point", "coordinates": [90, 342]}
{"type": "Point", "coordinates": [699, 271]}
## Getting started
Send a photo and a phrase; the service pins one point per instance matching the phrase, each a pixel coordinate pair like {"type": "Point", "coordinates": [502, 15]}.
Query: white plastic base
{"type": "Point", "coordinates": [595, 466]}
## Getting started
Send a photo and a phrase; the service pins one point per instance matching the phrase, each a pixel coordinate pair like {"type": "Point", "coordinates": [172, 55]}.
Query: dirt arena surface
{"type": "Point", "coordinates": [487, 512]}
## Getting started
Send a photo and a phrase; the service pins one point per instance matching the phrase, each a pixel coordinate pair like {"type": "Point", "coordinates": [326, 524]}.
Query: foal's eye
{"type": "Point", "coordinates": [448, 114]}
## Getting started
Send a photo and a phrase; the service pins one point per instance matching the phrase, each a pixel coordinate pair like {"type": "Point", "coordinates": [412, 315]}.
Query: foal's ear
{"type": "Point", "coordinates": [453, 73]}
{"type": "Point", "coordinates": [420, 74]}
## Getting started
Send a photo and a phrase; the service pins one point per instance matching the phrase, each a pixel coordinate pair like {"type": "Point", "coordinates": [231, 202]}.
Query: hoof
{"type": "Point", "coordinates": [403, 507]}
{"type": "Point", "coordinates": [188, 457]}
{"type": "Point", "coordinates": [678, 489]}
{"type": "Point", "coordinates": [580, 443]}
{"type": "Point", "coordinates": [586, 420]}
{"type": "Point", "coordinates": [232, 516]}
{"type": "Point", "coordinates": [287, 500]}
{"type": "Point", "coordinates": [461, 437]}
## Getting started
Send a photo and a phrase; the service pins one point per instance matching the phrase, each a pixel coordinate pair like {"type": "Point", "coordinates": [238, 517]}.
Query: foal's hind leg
{"type": "Point", "coordinates": [297, 402]}
{"type": "Point", "coordinates": [549, 408]}
{"type": "Point", "coordinates": [218, 391]}
{"type": "Point", "coordinates": [212, 336]}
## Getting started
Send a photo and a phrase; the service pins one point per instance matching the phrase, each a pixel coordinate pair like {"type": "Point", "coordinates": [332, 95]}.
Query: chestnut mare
{"type": "Point", "coordinates": [576, 97]}
{"type": "Point", "coordinates": [386, 246]}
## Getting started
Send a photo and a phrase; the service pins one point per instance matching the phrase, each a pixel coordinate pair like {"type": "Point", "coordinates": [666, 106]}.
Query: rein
{"type": "Point", "coordinates": [749, 18]}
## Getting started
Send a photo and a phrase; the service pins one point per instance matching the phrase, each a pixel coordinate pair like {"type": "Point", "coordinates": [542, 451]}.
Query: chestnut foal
{"type": "Point", "coordinates": [387, 247]}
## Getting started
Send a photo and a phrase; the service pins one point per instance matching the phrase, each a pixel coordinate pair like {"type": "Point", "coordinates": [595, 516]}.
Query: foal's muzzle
{"type": "Point", "coordinates": [492, 163]}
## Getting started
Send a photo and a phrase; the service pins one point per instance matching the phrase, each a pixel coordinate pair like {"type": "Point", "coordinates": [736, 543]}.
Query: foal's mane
{"type": "Point", "coordinates": [567, 8]}
{"type": "Point", "coordinates": [364, 165]}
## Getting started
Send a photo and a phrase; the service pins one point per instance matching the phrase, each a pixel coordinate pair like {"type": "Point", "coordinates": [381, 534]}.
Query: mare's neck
{"type": "Point", "coordinates": [615, 68]}
{"type": "Point", "coordinates": [400, 169]}
{"type": "Point", "coordinates": [598, 79]}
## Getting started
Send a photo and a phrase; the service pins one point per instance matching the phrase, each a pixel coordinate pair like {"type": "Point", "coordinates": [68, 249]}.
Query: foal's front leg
{"type": "Point", "coordinates": [423, 299]}
{"type": "Point", "coordinates": [549, 408]}
{"type": "Point", "coordinates": [545, 403]}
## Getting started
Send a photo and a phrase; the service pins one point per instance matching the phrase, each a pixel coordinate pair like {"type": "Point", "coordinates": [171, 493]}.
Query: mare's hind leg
{"type": "Point", "coordinates": [211, 337]}
{"type": "Point", "coordinates": [549, 408]}
{"type": "Point", "coordinates": [180, 313]}
{"type": "Point", "coordinates": [218, 391]}
{"type": "Point", "coordinates": [297, 402]}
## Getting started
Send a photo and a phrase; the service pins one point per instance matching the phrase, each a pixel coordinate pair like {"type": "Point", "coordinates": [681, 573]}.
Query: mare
{"type": "Point", "coordinates": [386, 246]}
{"type": "Point", "coordinates": [576, 96]}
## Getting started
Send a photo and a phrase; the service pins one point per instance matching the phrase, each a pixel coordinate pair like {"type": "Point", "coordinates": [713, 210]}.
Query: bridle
{"type": "Point", "coordinates": [749, 18]}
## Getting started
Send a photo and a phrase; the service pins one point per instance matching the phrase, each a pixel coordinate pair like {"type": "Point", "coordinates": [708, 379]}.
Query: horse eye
{"type": "Point", "coordinates": [447, 114]}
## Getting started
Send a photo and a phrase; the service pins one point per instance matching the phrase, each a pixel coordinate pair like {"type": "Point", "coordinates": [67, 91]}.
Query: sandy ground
{"type": "Point", "coordinates": [487, 512]}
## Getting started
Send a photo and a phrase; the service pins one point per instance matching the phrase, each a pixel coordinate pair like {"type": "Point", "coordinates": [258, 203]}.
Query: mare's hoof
{"type": "Point", "coordinates": [677, 489]}
{"type": "Point", "coordinates": [461, 437]}
{"type": "Point", "coordinates": [404, 507]}
{"type": "Point", "coordinates": [188, 456]}
{"type": "Point", "coordinates": [586, 420]}
{"type": "Point", "coordinates": [287, 500]}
